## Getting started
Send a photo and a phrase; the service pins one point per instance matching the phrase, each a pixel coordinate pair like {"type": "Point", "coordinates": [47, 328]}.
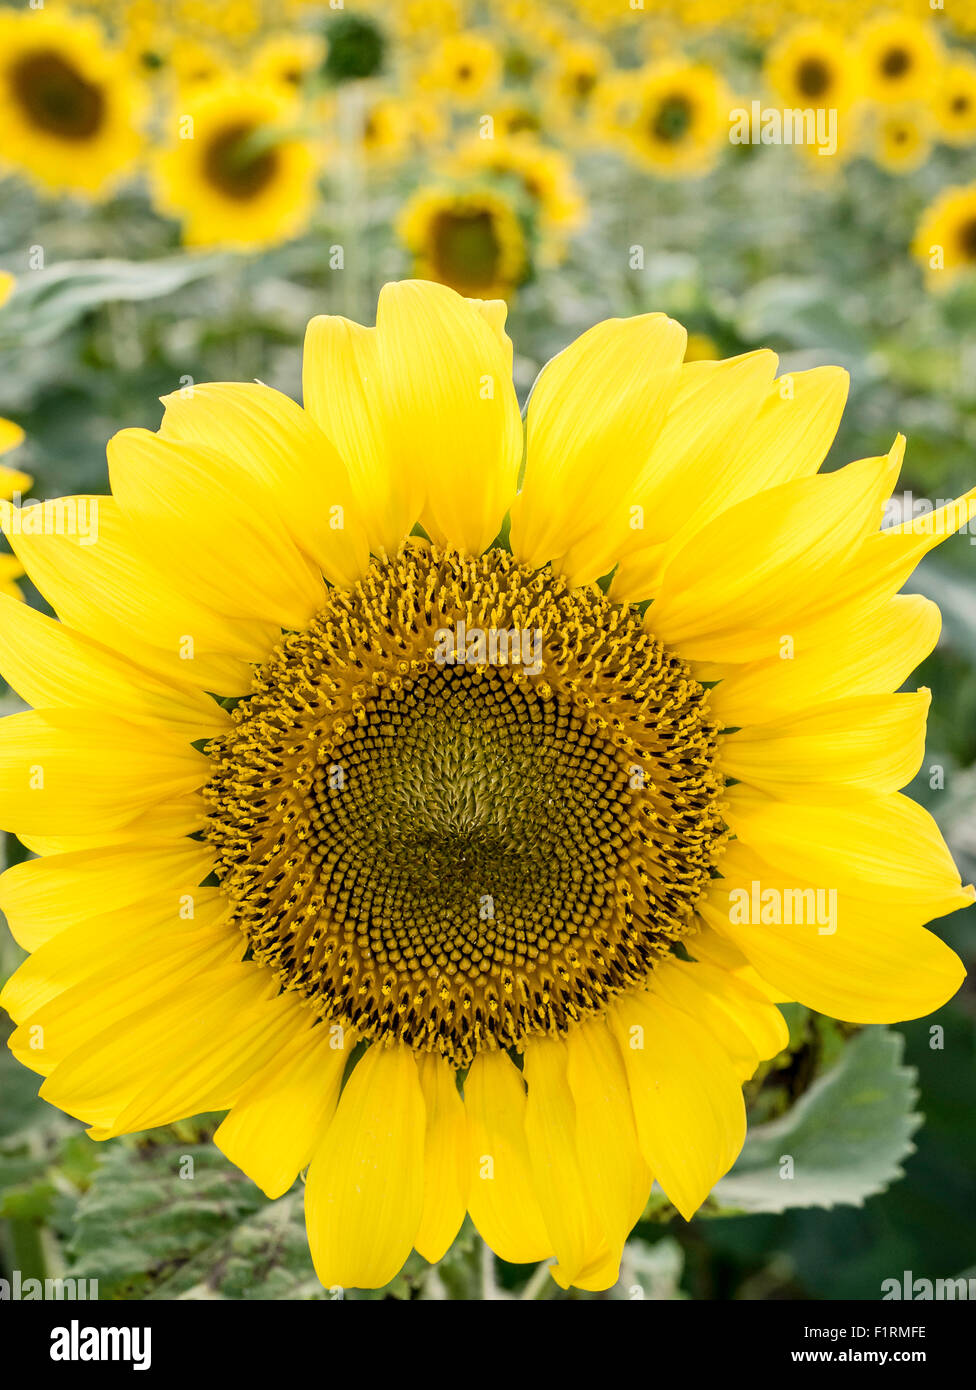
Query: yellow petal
{"type": "Point", "coordinates": [283, 1113]}
{"type": "Point", "coordinates": [502, 1199]}
{"type": "Point", "coordinates": [853, 959]}
{"type": "Point", "coordinates": [48, 664]}
{"type": "Point", "coordinates": [870, 651]}
{"type": "Point", "coordinates": [575, 1231]}
{"type": "Point", "coordinates": [742, 1020]}
{"type": "Point", "coordinates": [68, 772]}
{"type": "Point", "coordinates": [866, 745]}
{"type": "Point", "coordinates": [712, 607]}
{"type": "Point", "coordinates": [686, 1096]}
{"type": "Point", "coordinates": [736, 453]}
{"type": "Point", "coordinates": [364, 1194]}
{"type": "Point", "coordinates": [110, 592]}
{"type": "Point", "coordinates": [214, 531]}
{"type": "Point", "coordinates": [446, 1168]}
{"type": "Point", "coordinates": [613, 1172]}
{"type": "Point", "coordinates": [885, 847]}
{"type": "Point", "coordinates": [592, 418]}
{"type": "Point", "coordinates": [41, 897]}
{"type": "Point", "coordinates": [452, 417]}
{"type": "Point", "coordinates": [281, 446]}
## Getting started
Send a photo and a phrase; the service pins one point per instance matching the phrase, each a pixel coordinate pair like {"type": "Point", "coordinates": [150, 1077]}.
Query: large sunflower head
{"type": "Point", "coordinates": [69, 105]}
{"type": "Point", "coordinates": [234, 172]}
{"type": "Point", "coordinates": [900, 59]}
{"type": "Point", "coordinates": [474, 238]}
{"type": "Point", "coordinates": [812, 66]}
{"type": "Point", "coordinates": [471, 790]}
{"type": "Point", "coordinates": [945, 241]}
{"type": "Point", "coordinates": [678, 119]}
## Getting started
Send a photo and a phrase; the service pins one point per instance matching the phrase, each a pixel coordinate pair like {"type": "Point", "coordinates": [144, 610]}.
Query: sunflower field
{"type": "Point", "coordinates": [487, 785]}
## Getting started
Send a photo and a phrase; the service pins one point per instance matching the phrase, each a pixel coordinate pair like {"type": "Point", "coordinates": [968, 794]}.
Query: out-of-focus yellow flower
{"type": "Point", "coordinates": [945, 242]}
{"type": "Point", "coordinates": [578, 68]}
{"type": "Point", "coordinates": [473, 240]}
{"type": "Point", "coordinates": [954, 105]}
{"type": "Point", "coordinates": [681, 118]}
{"type": "Point", "coordinates": [901, 139]}
{"type": "Point", "coordinates": [69, 104]}
{"type": "Point", "coordinates": [516, 114]}
{"type": "Point", "coordinates": [196, 64]}
{"type": "Point", "coordinates": [542, 173]}
{"type": "Point", "coordinates": [422, 18]}
{"type": "Point", "coordinates": [812, 66]}
{"type": "Point", "coordinates": [900, 59]}
{"type": "Point", "coordinates": [234, 172]}
{"type": "Point", "coordinates": [388, 129]}
{"type": "Point", "coordinates": [287, 60]}
{"type": "Point", "coordinates": [464, 67]}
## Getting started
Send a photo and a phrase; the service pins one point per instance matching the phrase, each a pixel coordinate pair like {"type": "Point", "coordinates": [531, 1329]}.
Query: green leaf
{"type": "Point", "coordinates": [49, 301]}
{"type": "Point", "coordinates": [846, 1136]}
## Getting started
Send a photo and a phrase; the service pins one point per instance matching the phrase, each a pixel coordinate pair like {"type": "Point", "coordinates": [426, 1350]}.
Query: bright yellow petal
{"type": "Point", "coordinates": [686, 1095]}
{"type": "Point", "coordinates": [592, 418]}
{"type": "Point", "coordinates": [279, 445]}
{"type": "Point", "coordinates": [364, 1193]}
{"type": "Point", "coordinates": [213, 530]}
{"type": "Point", "coordinates": [446, 1169]}
{"type": "Point", "coordinates": [282, 1115]}
{"type": "Point", "coordinates": [68, 772]}
{"type": "Point", "coordinates": [502, 1198]}
{"type": "Point", "coordinates": [866, 745]}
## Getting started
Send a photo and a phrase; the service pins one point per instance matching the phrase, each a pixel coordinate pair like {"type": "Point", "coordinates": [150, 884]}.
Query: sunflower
{"type": "Point", "coordinates": [543, 174]}
{"type": "Point", "coordinates": [234, 173]}
{"type": "Point", "coordinates": [465, 67]}
{"type": "Point", "coordinates": [288, 60]}
{"type": "Point", "coordinates": [945, 241]}
{"type": "Point", "coordinates": [954, 102]}
{"type": "Point", "coordinates": [69, 104]}
{"type": "Point", "coordinates": [388, 129]}
{"type": "Point", "coordinates": [812, 66]}
{"type": "Point", "coordinates": [473, 239]}
{"type": "Point", "coordinates": [579, 65]}
{"type": "Point", "coordinates": [900, 59]}
{"type": "Point", "coordinates": [679, 120]}
{"type": "Point", "coordinates": [422, 855]}
{"type": "Point", "coordinates": [901, 138]}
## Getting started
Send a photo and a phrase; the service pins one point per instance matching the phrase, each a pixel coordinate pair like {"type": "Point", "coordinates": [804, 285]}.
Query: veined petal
{"type": "Point", "coordinates": [740, 453]}
{"type": "Point", "coordinates": [612, 1169]}
{"type": "Point", "coordinates": [446, 1168]}
{"type": "Point", "coordinates": [867, 745]}
{"type": "Point", "coordinates": [67, 771]}
{"type": "Point", "coordinates": [49, 664]}
{"type": "Point", "coordinates": [742, 1020]}
{"type": "Point", "coordinates": [502, 1199]}
{"type": "Point", "coordinates": [283, 1113]}
{"type": "Point", "coordinates": [450, 408]}
{"type": "Point", "coordinates": [214, 531]}
{"type": "Point", "coordinates": [281, 446]}
{"type": "Point", "coordinates": [41, 897]}
{"type": "Point", "coordinates": [592, 418]}
{"type": "Point", "coordinates": [686, 1096]}
{"type": "Point", "coordinates": [712, 607]}
{"type": "Point", "coordinates": [111, 592]}
{"type": "Point", "coordinates": [848, 957]}
{"type": "Point", "coordinates": [887, 847]}
{"type": "Point", "coordinates": [575, 1231]}
{"type": "Point", "coordinates": [364, 1193]}
{"type": "Point", "coordinates": [871, 651]}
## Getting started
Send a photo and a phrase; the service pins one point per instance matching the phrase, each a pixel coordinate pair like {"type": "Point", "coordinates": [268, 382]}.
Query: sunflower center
{"type": "Point", "coordinates": [967, 239]}
{"type": "Point", "coordinates": [56, 97]}
{"type": "Point", "coordinates": [672, 119]}
{"type": "Point", "coordinates": [467, 805]}
{"type": "Point", "coordinates": [235, 167]}
{"type": "Point", "coordinates": [813, 77]}
{"type": "Point", "coordinates": [466, 246]}
{"type": "Point", "coordinates": [895, 62]}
